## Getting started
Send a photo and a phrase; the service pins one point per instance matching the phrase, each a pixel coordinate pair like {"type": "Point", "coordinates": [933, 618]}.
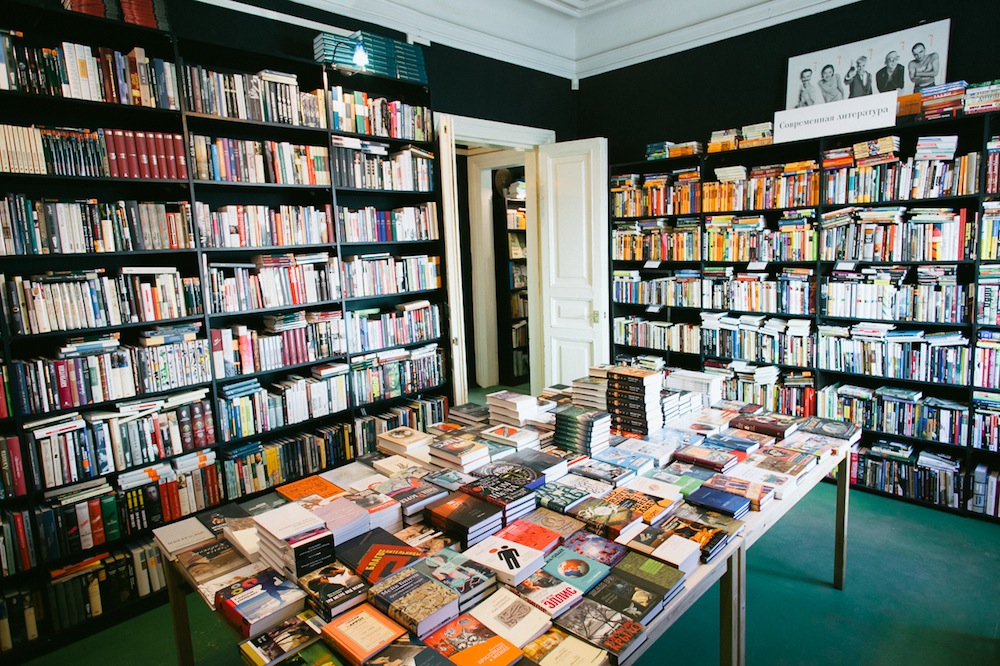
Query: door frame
{"type": "Point", "coordinates": [503, 136]}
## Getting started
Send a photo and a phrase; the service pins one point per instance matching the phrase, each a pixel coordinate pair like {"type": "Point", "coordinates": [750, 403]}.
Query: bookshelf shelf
{"type": "Point", "coordinates": [783, 366]}
{"type": "Point", "coordinates": [405, 345]}
{"type": "Point", "coordinates": [921, 441]}
{"type": "Point", "coordinates": [382, 402]}
{"type": "Point", "coordinates": [904, 322]}
{"type": "Point", "coordinates": [892, 380]}
{"type": "Point", "coordinates": [223, 55]}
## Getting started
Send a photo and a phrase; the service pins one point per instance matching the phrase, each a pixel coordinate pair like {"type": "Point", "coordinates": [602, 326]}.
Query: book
{"type": "Point", "coordinates": [577, 570]}
{"type": "Point", "coordinates": [288, 638]}
{"type": "Point", "coordinates": [409, 651]}
{"type": "Point", "coordinates": [562, 525]}
{"type": "Point", "coordinates": [552, 595]}
{"type": "Point", "coordinates": [454, 570]}
{"type": "Point", "coordinates": [511, 562]}
{"type": "Point", "coordinates": [361, 633]}
{"type": "Point", "coordinates": [511, 617]}
{"type": "Point", "coordinates": [646, 572]}
{"type": "Point", "coordinates": [595, 547]}
{"type": "Point", "coordinates": [414, 600]}
{"type": "Point", "coordinates": [207, 561]}
{"type": "Point", "coordinates": [182, 535]}
{"type": "Point", "coordinates": [768, 423]}
{"type": "Point", "coordinates": [559, 497]}
{"type": "Point", "coordinates": [260, 602]}
{"type": "Point", "coordinates": [783, 461]}
{"type": "Point", "coordinates": [377, 554]}
{"type": "Point", "coordinates": [593, 487]}
{"type": "Point", "coordinates": [464, 513]}
{"type": "Point", "coordinates": [468, 642]}
{"type": "Point", "coordinates": [679, 552]}
{"type": "Point", "coordinates": [632, 599]}
{"type": "Point", "coordinates": [334, 588]}
{"type": "Point", "coordinates": [603, 627]}
{"type": "Point", "coordinates": [557, 648]}
{"type": "Point", "coordinates": [531, 535]}
{"type": "Point", "coordinates": [831, 428]}
{"type": "Point", "coordinates": [605, 518]}
{"type": "Point", "coordinates": [718, 500]}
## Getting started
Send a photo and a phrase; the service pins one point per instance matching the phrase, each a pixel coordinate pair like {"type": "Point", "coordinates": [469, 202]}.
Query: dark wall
{"type": "Point", "coordinates": [461, 83]}
{"type": "Point", "coordinates": [741, 80]}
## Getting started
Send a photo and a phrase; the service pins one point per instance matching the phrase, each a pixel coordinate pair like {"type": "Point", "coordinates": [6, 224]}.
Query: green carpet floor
{"type": "Point", "coordinates": [923, 587]}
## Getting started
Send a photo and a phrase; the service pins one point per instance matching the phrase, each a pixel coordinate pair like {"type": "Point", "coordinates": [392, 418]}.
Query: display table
{"type": "Point", "coordinates": [729, 567]}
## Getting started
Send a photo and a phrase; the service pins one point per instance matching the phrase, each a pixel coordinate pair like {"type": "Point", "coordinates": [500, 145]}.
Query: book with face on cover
{"type": "Point", "coordinates": [783, 461]}
{"type": "Point", "coordinates": [457, 572]}
{"type": "Point", "coordinates": [361, 633]}
{"type": "Point", "coordinates": [552, 595]}
{"type": "Point", "coordinates": [468, 642]}
{"type": "Point", "coordinates": [334, 588]}
{"type": "Point", "coordinates": [287, 638]}
{"type": "Point", "coordinates": [512, 617]}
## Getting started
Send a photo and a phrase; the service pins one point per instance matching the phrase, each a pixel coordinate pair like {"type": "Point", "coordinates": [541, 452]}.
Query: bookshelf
{"type": "Point", "coordinates": [510, 230]}
{"type": "Point", "coordinates": [221, 294]}
{"type": "Point", "coordinates": [753, 263]}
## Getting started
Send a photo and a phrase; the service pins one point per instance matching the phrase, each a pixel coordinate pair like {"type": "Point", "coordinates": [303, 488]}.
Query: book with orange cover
{"type": "Point", "coordinates": [531, 535]}
{"type": "Point", "coordinates": [311, 485]}
{"type": "Point", "coordinates": [361, 633]}
{"type": "Point", "coordinates": [468, 642]}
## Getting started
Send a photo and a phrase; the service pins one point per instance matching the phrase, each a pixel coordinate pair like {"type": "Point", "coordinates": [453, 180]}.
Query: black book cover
{"type": "Point", "coordinates": [496, 490]}
{"type": "Point", "coordinates": [461, 511]}
{"type": "Point", "coordinates": [377, 554]}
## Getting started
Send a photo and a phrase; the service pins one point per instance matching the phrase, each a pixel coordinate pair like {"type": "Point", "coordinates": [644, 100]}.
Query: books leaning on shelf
{"type": "Point", "coordinates": [267, 96]}
{"type": "Point", "coordinates": [223, 159]}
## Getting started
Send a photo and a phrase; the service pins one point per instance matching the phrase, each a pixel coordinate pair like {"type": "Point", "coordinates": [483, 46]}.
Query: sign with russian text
{"type": "Point", "coordinates": [850, 115]}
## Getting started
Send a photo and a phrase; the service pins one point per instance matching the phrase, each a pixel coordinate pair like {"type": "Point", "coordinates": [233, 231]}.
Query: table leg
{"type": "Point", "coordinates": [840, 549]}
{"type": "Point", "coordinates": [733, 605]}
{"type": "Point", "coordinates": [179, 616]}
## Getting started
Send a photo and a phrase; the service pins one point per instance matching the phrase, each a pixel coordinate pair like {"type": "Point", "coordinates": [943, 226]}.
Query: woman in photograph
{"type": "Point", "coordinates": [829, 85]}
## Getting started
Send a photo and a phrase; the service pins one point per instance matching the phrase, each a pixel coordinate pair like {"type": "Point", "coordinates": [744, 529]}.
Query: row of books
{"type": "Point", "coordinates": [391, 374]}
{"type": "Point", "coordinates": [370, 225]}
{"type": "Point", "coordinates": [419, 412]}
{"type": "Point", "coordinates": [383, 56]}
{"type": "Point", "coordinates": [785, 392]}
{"type": "Point", "coordinates": [519, 305]}
{"type": "Point", "coordinates": [104, 153]}
{"type": "Point", "coordinates": [267, 96]}
{"type": "Point", "coordinates": [147, 13]}
{"type": "Point", "coordinates": [662, 335]}
{"type": "Point", "coordinates": [409, 323]}
{"type": "Point", "coordinates": [682, 289]}
{"type": "Point", "coordinates": [921, 475]}
{"type": "Point", "coordinates": [249, 225]}
{"type": "Point", "coordinates": [380, 274]}
{"type": "Point", "coordinates": [992, 184]}
{"type": "Point", "coordinates": [358, 112]}
{"type": "Point", "coordinates": [896, 411]}
{"type": "Point", "coordinates": [274, 281]}
{"type": "Point", "coordinates": [290, 339]}
{"type": "Point", "coordinates": [247, 408]}
{"type": "Point", "coordinates": [941, 357]}
{"type": "Point", "coordinates": [791, 292]}
{"type": "Point", "coordinates": [892, 180]}
{"type": "Point", "coordinates": [78, 71]}
{"type": "Point", "coordinates": [896, 234]}
{"type": "Point", "coordinates": [249, 161]}
{"type": "Point", "coordinates": [748, 136]}
{"type": "Point", "coordinates": [34, 227]}
{"type": "Point", "coordinates": [879, 293]}
{"type": "Point", "coordinates": [73, 300]}
{"type": "Point", "coordinates": [792, 185]}
{"type": "Point", "coordinates": [746, 238]}
{"type": "Point", "coordinates": [675, 193]}
{"type": "Point", "coordinates": [985, 421]}
{"type": "Point", "coordinates": [986, 364]}
{"type": "Point", "coordinates": [370, 166]}
{"type": "Point", "coordinates": [655, 240]}
{"type": "Point", "coordinates": [758, 339]}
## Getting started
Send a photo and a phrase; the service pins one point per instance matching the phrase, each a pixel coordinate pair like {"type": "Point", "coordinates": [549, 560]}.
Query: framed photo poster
{"type": "Point", "coordinates": [906, 61]}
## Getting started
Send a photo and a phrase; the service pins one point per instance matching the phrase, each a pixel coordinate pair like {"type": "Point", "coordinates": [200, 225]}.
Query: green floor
{"type": "Point", "coordinates": [923, 587]}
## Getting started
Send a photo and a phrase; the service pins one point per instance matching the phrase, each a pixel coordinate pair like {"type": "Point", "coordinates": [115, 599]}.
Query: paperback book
{"type": "Point", "coordinates": [575, 569]}
{"type": "Point", "coordinates": [552, 595]}
{"type": "Point", "coordinates": [603, 627]}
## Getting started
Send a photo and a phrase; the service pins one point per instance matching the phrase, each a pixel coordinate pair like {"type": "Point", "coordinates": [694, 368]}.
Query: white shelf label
{"type": "Point", "coordinates": [844, 266]}
{"type": "Point", "coordinates": [651, 264]}
{"type": "Point", "coordinates": [654, 308]}
{"type": "Point", "coordinates": [757, 266]}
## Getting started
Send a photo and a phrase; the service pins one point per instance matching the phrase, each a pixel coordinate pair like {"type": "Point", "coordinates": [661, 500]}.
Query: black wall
{"type": "Point", "coordinates": [741, 80]}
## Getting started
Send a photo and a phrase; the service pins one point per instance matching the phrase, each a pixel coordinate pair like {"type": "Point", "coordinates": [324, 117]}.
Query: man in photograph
{"type": "Point", "coordinates": [890, 77]}
{"type": "Point", "coordinates": [807, 93]}
{"type": "Point", "coordinates": [858, 79]}
{"type": "Point", "coordinates": [923, 69]}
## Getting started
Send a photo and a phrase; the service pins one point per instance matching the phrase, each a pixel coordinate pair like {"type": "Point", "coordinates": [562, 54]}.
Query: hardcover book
{"type": "Point", "coordinates": [414, 600]}
{"type": "Point", "coordinates": [361, 633]}
{"type": "Point", "coordinates": [603, 627]}
{"type": "Point", "coordinates": [285, 639]}
{"type": "Point", "coordinates": [258, 603]}
{"type": "Point", "coordinates": [449, 479]}
{"type": "Point", "coordinates": [406, 438]}
{"type": "Point", "coordinates": [531, 535]}
{"type": "Point", "coordinates": [710, 539]}
{"type": "Point", "coordinates": [831, 428]}
{"type": "Point", "coordinates": [818, 445]}
{"type": "Point", "coordinates": [412, 492]}
{"type": "Point", "coordinates": [549, 593]}
{"type": "Point", "coordinates": [646, 572]}
{"type": "Point", "coordinates": [557, 648]}
{"type": "Point", "coordinates": [459, 450]}
{"type": "Point", "coordinates": [511, 617]}
{"type": "Point", "coordinates": [604, 518]}
{"type": "Point", "coordinates": [499, 491]}
{"type": "Point", "coordinates": [632, 599]}
{"type": "Point", "coordinates": [757, 493]}
{"type": "Point", "coordinates": [602, 471]}
{"type": "Point", "coordinates": [375, 555]}
{"type": "Point", "coordinates": [577, 570]}
{"type": "Point", "coordinates": [462, 512]}
{"type": "Point", "coordinates": [706, 456]}
{"type": "Point", "coordinates": [182, 535]}
{"type": "Point", "coordinates": [511, 470]}
{"type": "Point", "coordinates": [468, 642]}
{"type": "Point", "coordinates": [721, 501]}
{"type": "Point", "coordinates": [595, 547]}
{"type": "Point", "coordinates": [334, 588]}
{"type": "Point", "coordinates": [769, 423]}
{"type": "Point", "coordinates": [679, 552]}
{"type": "Point", "coordinates": [208, 561]}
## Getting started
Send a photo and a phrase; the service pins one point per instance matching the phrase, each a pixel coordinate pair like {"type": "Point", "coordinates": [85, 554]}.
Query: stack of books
{"type": "Point", "coordinates": [470, 518]}
{"type": "Point", "coordinates": [510, 561]}
{"type": "Point", "coordinates": [333, 589]}
{"type": "Point", "coordinates": [260, 602]}
{"type": "Point", "coordinates": [512, 617]}
{"type": "Point", "coordinates": [377, 554]}
{"type": "Point", "coordinates": [591, 392]}
{"type": "Point", "coordinates": [583, 430]}
{"type": "Point", "coordinates": [415, 600]}
{"type": "Point", "coordinates": [982, 97]}
{"type": "Point", "coordinates": [514, 499]}
{"type": "Point", "coordinates": [508, 435]}
{"type": "Point", "coordinates": [470, 414]}
{"type": "Point", "coordinates": [687, 148]}
{"type": "Point", "coordinates": [876, 151]}
{"type": "Point", "coordinates": [722, 501]}
{"type": "Point", "coordinates": [510, 408]}
{"type": "Point", "coordinates": [472, 581]}
{"type": "Point", "coordinates": [531, 535]}
{"type": "Point", "coordinates": [658, 150]}
{"type": "Point", "coordinates": [633, 399]}
{"type": "Point", "coordinates": [405, 441]}
{"type": "Point", "coordinates": [294, 540]}
{"type": "Point", "coordinates": [459, 453]}
{"type": "Point", "coordinates": [706, 384]}
{"type": "Point", "coordinates": [383, 511]}
{"type": "Point", "coordinates": [757, 134]}
{"type": "Point", "coordinates": [936, 147]}
{"type": "Point", "coordinates": [943, 101]}
{"type": "Point", "coordinates": [724, 139]}
{"type": "Point", "coordinates": [344, 518]}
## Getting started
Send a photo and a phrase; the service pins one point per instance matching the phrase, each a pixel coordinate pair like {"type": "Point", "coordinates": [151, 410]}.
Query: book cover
{"type": "Point", "coordinates": [783, 461]}
{"type": "Point", "coordinates": [557, 648]}
{"type": "Point", "coordinates": [756, 493]}
{"type": "Point", "coordinates": [211, 560]}
{"type": "Point", "coordinates": [511, 617]}
{"type": "Point", "coordinates": [769, 423]}
{"type": "Point", "coordinates": [706, 456]}
{"type": "Point", "coordinates": [259, 602]}
{"type": "Point", "coordinates": [549, 593]}
{"type": "Point", "coordinates": [361, 633]}
{"type": "Point", "coordinates": [266, 502]}
{"type": "Point", "coordinates": [577, 570]}
{"type": "Point", "coordinates": [531, 535]}
{"type": "Point", "coordinates": [310, 485]}
{"type": "Point", "coordinates": [630, 598]}
{"type": "Point", "coordinates": [592, 487]}
{"type": "Point", "coordinates": [182, 535]}
{"type": "Point", "coordinates": [414, 600]}
{"type": "Point", "coordinates": [602, 627]}
{"type": "Point", "coordinates": [559, 497]}
{"type": "Point", "coordinates": [334, 587]}
{"type": "Point", "coordinates": [449, 479]}
{"type": "Point", "coordinates": [831, 428]}
{"type": "Point", "coordinates": [511, 470]}
{"type": "Point", "coordinates": [595, 547]}
{"type": "Point", "coordinates": [216, 517]}
{"type": "Point", "coordinates": [375, 555]}
{"type": "Point", "coordinates": [284, 639]}
{"type": "Point", "coordinates": [817, 445]}
{"type": "Point", "coordinates": [604, 518]}
{"type": "Point", "coordinates": [462, 511]}
{"type": "Point", "coordinates": [721, 501]}
{"type": "Point", "coordinates": [412, 492]}
{"type": "Point", "coordinates": [459, 450]}
{"type": "Point", "coordinates": [646, 572]}
{"type": "Point", "coordinates": [602, 471]}
{"type": "Point", "coordinates": [498, 491]}
{"type": "Point", "coordinates": [406, 437]}
{"type": "Point", "coordinates": [511, 562]}
{"type": "Point", "coordinates": [561, 524]}
{"type": "Point", "coordinates": [709, 538]}
{"type": "Point", "coordinates": [408, 651]}
{"type": "Point", "coordinates": [702, 516]}
{"type": "Point", "coordinates": [468, 642]}
{"type": "Point", "coordinates": [457, 572]}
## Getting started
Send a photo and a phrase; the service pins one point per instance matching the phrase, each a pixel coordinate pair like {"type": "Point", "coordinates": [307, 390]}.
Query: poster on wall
{"type": "Point", "coordinates": [903, 61]}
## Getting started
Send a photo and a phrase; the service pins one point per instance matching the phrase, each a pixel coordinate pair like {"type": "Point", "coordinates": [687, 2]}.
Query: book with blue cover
{"type": "Point", "coordinates": [717, 500]}
{"type": "Point", "coordinates": [579, 571]}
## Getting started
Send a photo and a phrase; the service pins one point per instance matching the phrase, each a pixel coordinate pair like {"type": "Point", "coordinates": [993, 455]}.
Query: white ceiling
{"type": "Point", "coordinates": [573, 38]}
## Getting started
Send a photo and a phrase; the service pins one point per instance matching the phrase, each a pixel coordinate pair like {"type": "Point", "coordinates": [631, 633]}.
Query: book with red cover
{"type": "Point", "coordinates": [375, 555]}
{"type": "Point", "coordinates": [769, 423]}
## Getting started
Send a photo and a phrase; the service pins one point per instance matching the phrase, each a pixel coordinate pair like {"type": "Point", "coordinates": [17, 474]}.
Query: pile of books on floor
{"type": "Point", "coordinates": [562, 554]}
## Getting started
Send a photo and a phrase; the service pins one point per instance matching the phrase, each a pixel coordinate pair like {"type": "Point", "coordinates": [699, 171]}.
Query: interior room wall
{"type": "Point", "coordinates": [741, 80]}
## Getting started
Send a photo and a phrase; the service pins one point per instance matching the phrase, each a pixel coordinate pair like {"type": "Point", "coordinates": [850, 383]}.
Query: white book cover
{"type": "Point", "coordinates": [655, 487]}
{"type": "Point", "coordinates": [511, 617]}
{"type": "Point", "coordinates": [557, 648]}
{"type": "Point", "coordinates": [679, 552]}
{"type": "Point", "coordinates": [511, 561]}
{"type": "Point", "coordinates": [346, 475]}
{"type": "Point", "coordinates": [182, 535]}
{"type": "Point", "coordinates": [783, 483]}
{"type": "Point", "coordinates": [369, 481]}
{"type": "Point", "coordinates": [288, 520]}
{"type": "Point", "coordinates": [593, 487]}
{"type": "Point", "coordinates": [393, 465]}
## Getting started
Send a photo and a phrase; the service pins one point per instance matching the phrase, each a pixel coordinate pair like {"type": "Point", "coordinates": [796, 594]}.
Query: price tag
{"type": "Point", "coordinates": [844, 266]}
{"type": "Point", "coordinates": [651, 264]}
{"type": "Point", "coordinates": [757, 266]}
{"type": "Point", "coordinates": [655, 309]}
